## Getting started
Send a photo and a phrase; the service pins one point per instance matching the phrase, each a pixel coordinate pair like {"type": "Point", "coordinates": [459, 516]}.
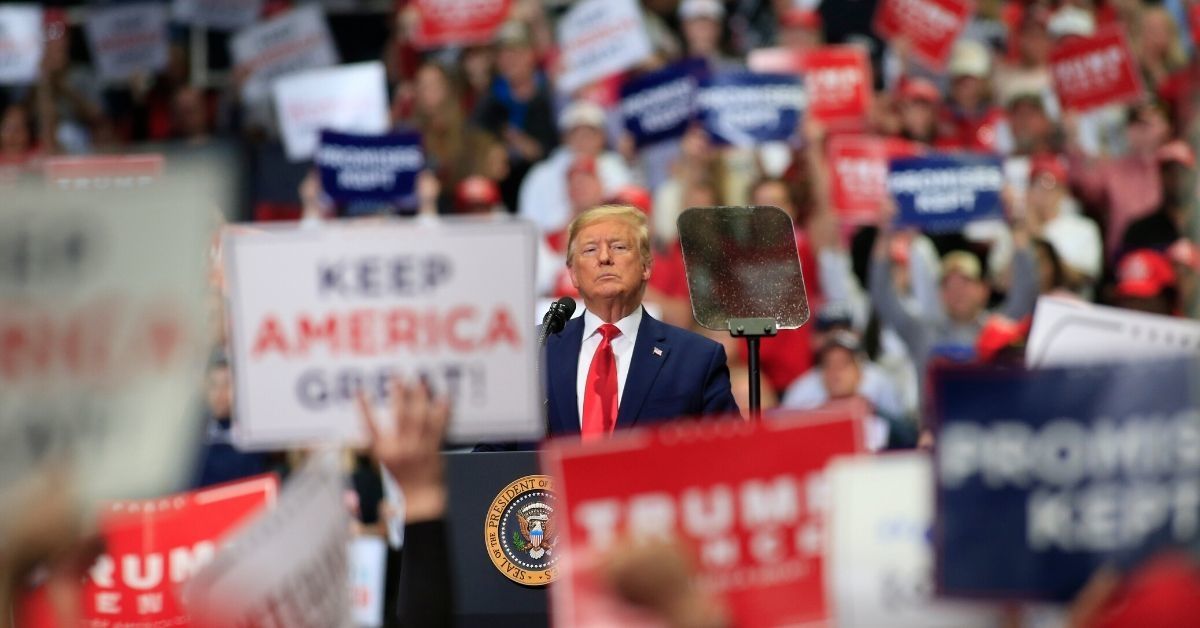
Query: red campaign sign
{"type": "Point", "coordinates": [103, 172]}
{"type": "Point", "coordinates": [458, 22]}
{"type": "Point", "coordinates": [1095, 71]}
{"type": "Point", "coordinates": [930, 26]}
{"type": "Point", "coordinates": [152, 546]}
{"type": "Point", "coordinates": [837, 79]}
{"type": "Point", "coordinates": [747, 499]}
{"type": "Point", "coordinates": [858, 168]}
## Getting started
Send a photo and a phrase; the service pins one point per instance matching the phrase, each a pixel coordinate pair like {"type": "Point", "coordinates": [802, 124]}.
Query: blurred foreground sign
{"type": "Point", "coordinates": [1068, 331]}
{"type": "Point", "coordinates": [150, 548]}
{"type": "Point", "coordinates": [102, 172]}
{"type": "Point", "coordinates": [287, 567]}
{"type": "Point", "coordinates": [102, 335]}
{"type": "Point", "coordinates": [1043, 476]}
{"type": "Point", "coordinates": [749, 499]}
{"type": "Point", "coordinates": [318, 313]}
{"type": "Point", "coordinates": [880, 559]}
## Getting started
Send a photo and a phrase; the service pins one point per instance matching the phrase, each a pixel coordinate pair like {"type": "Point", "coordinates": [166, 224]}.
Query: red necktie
{"type": "Point", "coordinates": [600, 388]}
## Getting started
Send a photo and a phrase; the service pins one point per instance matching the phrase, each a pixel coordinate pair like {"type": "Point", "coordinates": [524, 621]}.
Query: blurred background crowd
{"type": "Point", "coordinates": [1106, 213]}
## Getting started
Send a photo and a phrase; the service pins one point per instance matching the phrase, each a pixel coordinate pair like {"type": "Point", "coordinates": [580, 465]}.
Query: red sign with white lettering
{"type": "Point", "coordinates": [458, 22]}
{"type": "Point", "coordinates": [106, 172]}
{"type": "Point", "coordinates": [747, 499]}
{"type": "Point", "coordinates": [151, 547]}
{"type": "Point", "coordinates": [858, 168]}
{"type": "Point", "coordinates": [1095, 71]}
{"type": "Point", "coordinates": [930, 26]}
{"type": "Point", "coordinates": [836, 78]}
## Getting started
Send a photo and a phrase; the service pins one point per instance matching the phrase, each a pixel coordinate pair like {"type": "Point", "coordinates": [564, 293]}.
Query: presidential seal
{"type": "Point", "coordinates": [520, 531]}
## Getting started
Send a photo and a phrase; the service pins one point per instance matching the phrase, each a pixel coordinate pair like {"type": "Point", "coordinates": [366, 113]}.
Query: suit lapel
{"type": "Point", "coordinates": [562, 364]}
{"type": "Point", "coordinates": [649, 353]}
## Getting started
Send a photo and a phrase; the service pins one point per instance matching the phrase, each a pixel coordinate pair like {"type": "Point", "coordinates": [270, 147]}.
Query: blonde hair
{"type": "Point", "coordinates": [627, 214]}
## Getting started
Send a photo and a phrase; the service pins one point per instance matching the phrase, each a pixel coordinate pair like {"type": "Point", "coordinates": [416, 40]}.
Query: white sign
{"type": "Point", "coordinates": [880, 569]}
{"type": "Point", "coordinates": [599, 38]}
{"type": "Point", "coordinates": [292, 41]}
{"type": "Point", "coordinates": [368, 562]}
{"type": "Point", "coordinates": [102, 335]}
{"type": "Point", "coordinates": [1066, 332]}
{"type": "Point", "coordinates": [21, 43]}
{"type": "Point", "coordinates": [351, 98]}
{"type": "Point", "coordinates": [224, 15]}
{"type": "Point", "coordinates": [317, 313]}
{"type": "Point", "coordinates": [127, 39]}
{"type": "Point", "coordinates": [287, 567]}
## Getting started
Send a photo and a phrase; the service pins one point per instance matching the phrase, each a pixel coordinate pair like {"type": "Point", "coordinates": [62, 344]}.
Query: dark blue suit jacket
{"type": "Point", "coordinates": [672, 373]}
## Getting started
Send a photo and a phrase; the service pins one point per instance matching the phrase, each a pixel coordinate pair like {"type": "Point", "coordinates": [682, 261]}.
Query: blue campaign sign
{"type": "Point", "coordinates": [1043, 476]}
{"type": "Point", "coordinates": [746, 109]}
{"type": "Point", "coordinates": [370, 167]}
{"type": "Point", "coordinates": [658, 106]}
{"type": "Point", "coordinates": [942, 193]}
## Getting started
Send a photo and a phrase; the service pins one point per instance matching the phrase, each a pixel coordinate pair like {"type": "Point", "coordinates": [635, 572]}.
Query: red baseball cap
{"type": "Point", "coordinates": [999, 333]}
{"type": "Point", "coordinates": [1144, 273]}
{"type": "Point", "coordinates": [636, 196]}
{"type": "Point", "coordinates": [477, 190]}
{"type": "Point", "coordinates": [1047, 165]}
{"type": "Point", "coordinates": [916, 88]}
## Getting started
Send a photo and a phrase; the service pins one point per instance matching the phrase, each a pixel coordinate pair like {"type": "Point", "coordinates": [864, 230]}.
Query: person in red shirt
{"type": "Point", "coordinates": [969, 119]}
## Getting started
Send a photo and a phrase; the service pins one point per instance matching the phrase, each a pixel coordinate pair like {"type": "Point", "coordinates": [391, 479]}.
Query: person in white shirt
{"type": "Point", "coordinates": [1051, 210]}
{"type": "Point", "coordinates": [543, 198]}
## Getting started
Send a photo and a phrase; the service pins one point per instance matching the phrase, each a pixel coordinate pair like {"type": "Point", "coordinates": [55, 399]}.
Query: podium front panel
{"type": "Point", "coordinates": [484, 595]}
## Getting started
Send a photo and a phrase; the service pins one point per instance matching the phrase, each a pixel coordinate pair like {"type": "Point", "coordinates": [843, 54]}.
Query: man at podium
{"type": "Point", "coordinates": [615, 366]}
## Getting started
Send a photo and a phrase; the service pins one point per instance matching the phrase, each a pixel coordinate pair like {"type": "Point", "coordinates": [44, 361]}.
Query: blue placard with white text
{"type": "Point", "coordinates": [1043, 476]}
{"type": "Point", "coordinates": [657, 107]}
{"type": "Point", "coordinates": [380, 168]}
{"type": "Point", "coordinates": [942, 193]}
{"type": "Point", "coordinates": [747, 109]}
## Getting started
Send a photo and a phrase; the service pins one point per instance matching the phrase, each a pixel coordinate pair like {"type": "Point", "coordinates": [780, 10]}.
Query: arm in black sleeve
{"type": "Point", "coordinates": [426, 595]}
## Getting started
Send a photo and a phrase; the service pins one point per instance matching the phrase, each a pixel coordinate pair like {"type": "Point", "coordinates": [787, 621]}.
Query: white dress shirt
{"type": "Point", "coordinates": [622, 347]}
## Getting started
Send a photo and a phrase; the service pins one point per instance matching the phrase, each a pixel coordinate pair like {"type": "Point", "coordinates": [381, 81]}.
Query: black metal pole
{"type": "Point", "coordinates": [755, 385]}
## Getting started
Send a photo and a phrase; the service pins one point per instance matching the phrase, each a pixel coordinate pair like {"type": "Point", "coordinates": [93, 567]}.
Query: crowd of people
{"type": "Point", "coordinates": [1106, 213]}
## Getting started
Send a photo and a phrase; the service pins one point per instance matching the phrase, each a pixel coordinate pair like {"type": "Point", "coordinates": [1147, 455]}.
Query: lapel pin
{"type": "Point", "coordinates": [658, 352]}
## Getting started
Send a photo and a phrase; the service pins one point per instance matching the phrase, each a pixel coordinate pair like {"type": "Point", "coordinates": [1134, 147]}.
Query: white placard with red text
{"type": "Point", "coordinates": [837, 80]}
{"type": "Point", "coordinates": [930, 26]}
{"type": "Point", "coordinates": [349, 98]}
{"type": "Point", "coordinates": [223, 15]}
{"type": "Point", "coordinates": [315, 313]}
{"type": "Point", "coordinates": [1096, 71]}
{"type": "Point", "coordinates": [127, 39]}
{"type": "Point", "coordinates": [1069, 332]}
{"type": "Point", "coordinates": [880, 557]}
{"type": "Point", "coordinates": [103, 328]}
{"type": "Point", "coordinates": [21, 43]}
{"type": "Point", "coordinates": [296, 40]}
{"type": "Point", "coordinates": [599, 38]}
{"type": "Point", "coordinates": [748, 499]}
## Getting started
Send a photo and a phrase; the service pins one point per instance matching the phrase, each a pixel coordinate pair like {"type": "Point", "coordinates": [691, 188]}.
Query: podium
{"type": "Point", "coordinates": [483, 595]}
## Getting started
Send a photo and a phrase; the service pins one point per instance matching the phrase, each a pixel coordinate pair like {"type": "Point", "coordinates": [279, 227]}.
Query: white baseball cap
{"type": "Point", "coordinates": [690, 9]}
{"type": "Point", "coordinates": [581, 113]}
{"type": "Point", "coordinates": [970, 58]}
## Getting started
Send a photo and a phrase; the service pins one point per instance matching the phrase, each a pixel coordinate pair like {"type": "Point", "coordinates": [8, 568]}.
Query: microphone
{"type": "Point", "coordinates": [560, 312]}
